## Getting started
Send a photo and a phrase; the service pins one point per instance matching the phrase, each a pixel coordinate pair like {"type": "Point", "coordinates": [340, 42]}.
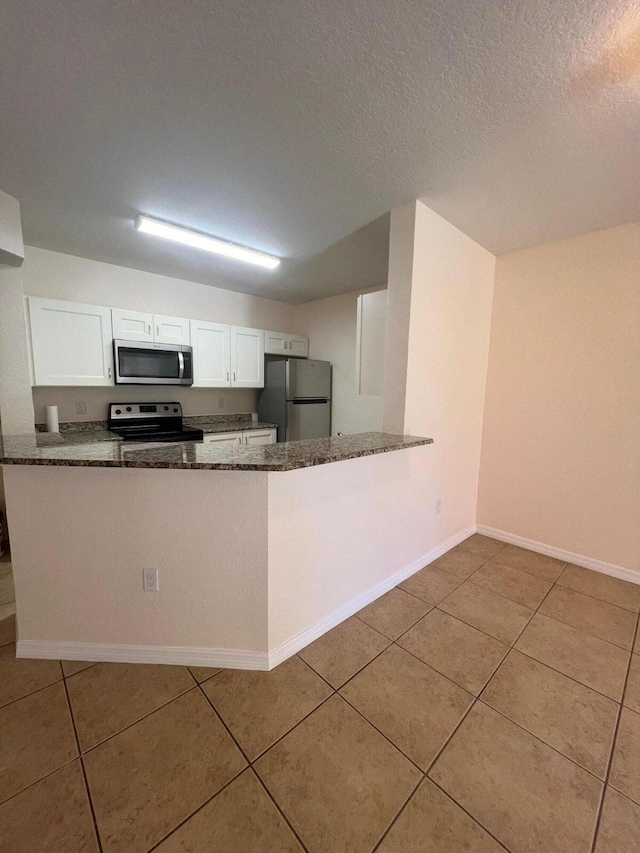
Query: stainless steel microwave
{"type": "Point", "coordinates": [139, 363]}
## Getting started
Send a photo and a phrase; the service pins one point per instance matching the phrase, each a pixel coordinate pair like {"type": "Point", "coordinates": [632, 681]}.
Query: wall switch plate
{"type": "Point", "coordinates": [150, 580]}
{"type": "Point", "coordinates": [439, 505]}
{"type": "Point", "coordinates": [81, 409]}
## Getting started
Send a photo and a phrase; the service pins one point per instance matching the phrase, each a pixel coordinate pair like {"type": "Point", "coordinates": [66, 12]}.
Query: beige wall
{"type": "Point", "coordinates": [205, 532]}
{"type": "Point", "coordinates": [244, 581]}
{"type": "Point", "coordinates": [16, 408]}
{"type": "Point", "coordinates": [402, 240]}
{"type": "Point", "coordinates": [561, 444]}
{"type": "Point", "coordinates": [441, 281]}
{"type": "Point", "coordinates": [332, 328]}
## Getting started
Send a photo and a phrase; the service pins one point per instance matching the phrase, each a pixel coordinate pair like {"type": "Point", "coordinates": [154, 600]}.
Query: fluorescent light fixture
{"type": "Point", "coordinates": [202, 241]}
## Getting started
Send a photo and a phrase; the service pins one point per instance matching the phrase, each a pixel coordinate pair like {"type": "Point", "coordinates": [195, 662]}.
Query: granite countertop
{"type": "Point", "coordinates": [71, 431]}
{"type": "Point", "coordinates": [50, 449]}
{"type": "Point", "coordinates": [223, 423]}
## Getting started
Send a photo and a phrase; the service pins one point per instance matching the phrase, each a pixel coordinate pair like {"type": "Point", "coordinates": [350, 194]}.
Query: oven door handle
{"type": "Point", "coordinates": [180, 365]}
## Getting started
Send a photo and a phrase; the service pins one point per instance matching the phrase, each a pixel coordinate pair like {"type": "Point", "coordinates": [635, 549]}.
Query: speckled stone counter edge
{"type": "Point", "coordinates": [97, 430]}
{"type": "Point", "coordinates": [193, 455]}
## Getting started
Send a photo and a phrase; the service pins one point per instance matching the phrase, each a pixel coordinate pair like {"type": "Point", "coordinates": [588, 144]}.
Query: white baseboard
{"type": "Point", "coordinates": [115, 653]}
{"type": "Point", "coordinates": [295, 644]}
{"type": "Point", "coordinates": [225, 658]}
{"type": "Point", "coordinates": [561, 554]}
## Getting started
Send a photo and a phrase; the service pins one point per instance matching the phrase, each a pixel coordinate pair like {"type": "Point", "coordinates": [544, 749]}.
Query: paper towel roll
{"type": "Point", "coordinates": [53, 425]}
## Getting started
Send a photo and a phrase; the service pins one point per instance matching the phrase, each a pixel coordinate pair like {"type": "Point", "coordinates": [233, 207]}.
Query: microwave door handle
{"type": "Point", "coordinates": [180, 365]}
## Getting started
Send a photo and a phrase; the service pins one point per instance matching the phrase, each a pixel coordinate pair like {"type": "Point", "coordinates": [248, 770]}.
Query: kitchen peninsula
{"type": "Point", "coordinates": [259, 549]}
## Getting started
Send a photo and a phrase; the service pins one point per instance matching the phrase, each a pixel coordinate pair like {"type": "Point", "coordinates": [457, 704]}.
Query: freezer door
{"type": "Point", "coordinates": [307, 419]}
{"type": "Point", "coordinates": [308, 378]}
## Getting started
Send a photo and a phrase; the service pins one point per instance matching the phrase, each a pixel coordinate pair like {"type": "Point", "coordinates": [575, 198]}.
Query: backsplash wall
{"type": "Point", "coordinates": [195, 401]}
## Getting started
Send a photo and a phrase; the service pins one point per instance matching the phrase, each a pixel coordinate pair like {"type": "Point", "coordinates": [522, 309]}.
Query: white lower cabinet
{"type": "Point", "coordinates": [259, 436]}
{"type": "Point", "coordinates": [246, 437]}
{"type": "Point", "coordinates": [223, 438]}
{"type": "Point", "coordinates": [71, 343]}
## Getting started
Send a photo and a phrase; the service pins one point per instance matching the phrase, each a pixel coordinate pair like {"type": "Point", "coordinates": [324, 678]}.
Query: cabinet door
{"type": "Point", "coordinates": [298, 346]}
{"type": "Point", "coordinates": [211, 354]}
{"type": "Point", "coordinates": [131, 325]}
{"type": "Point", "coordinates": [71, 343]}
{"type": "Point", "coordinates": [275, 343]}
{"type": "Point", "coordinates": [247, 358]}
{"type": "Point", "coordinates": [259, 436]}
{"type": "Point", "coordinates": [170, 330]}
{"type": "Point", "coordinates": [223, 439]}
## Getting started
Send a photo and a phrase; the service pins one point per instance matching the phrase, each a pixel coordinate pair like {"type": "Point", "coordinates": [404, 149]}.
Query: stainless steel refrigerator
{"type": "Point", "coordinates": [297, 397]}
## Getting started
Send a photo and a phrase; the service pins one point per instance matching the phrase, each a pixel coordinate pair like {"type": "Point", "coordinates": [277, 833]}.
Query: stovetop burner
{"type": "Point", "coordinates": [150, 422]}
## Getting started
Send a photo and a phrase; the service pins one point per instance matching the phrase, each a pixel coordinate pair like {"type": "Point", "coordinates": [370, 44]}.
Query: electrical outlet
{"type": "Point", "coordinates": [221, 402]}
{"type": "Point", "coordinates": [81, 409]}
{"type": "Point", "coordinates": [439, 505]}
{"type": "Point", "coordinates": [150, 580]}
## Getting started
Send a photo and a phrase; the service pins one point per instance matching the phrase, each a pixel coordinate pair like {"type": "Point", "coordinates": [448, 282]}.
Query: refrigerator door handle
{"type": "Point", "coordinates": [306, 401]}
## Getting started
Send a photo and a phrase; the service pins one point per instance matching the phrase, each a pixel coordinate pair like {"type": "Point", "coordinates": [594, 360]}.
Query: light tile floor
{"type": "Point", "coordinates": [490, 703]}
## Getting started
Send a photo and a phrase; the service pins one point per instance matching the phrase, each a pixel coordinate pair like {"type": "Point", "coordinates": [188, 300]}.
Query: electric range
{"type": "Point", "coordinates": [150, 422]}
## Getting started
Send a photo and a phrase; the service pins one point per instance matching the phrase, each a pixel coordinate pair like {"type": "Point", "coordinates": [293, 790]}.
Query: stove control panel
{"type": "Point", "coordinates": [125, 411]}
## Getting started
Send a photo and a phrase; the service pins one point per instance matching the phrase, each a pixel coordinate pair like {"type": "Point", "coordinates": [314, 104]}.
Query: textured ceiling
{"type": "Point", "coordinates": [287, 125]}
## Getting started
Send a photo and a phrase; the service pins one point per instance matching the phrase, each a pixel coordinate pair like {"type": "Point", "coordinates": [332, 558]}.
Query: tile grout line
{"type": "Point", "coordinates": [181, 823]}
{"type": "Point", "coordinates": [391, 640]}
{"type": "Point", "coordinates": [512, 646]}
{"type": "Point", "coordinates": [478, 699]}
{"type": "Point", "coordinates": [595, 597]}
{"type": "Point", "coordinates": [31, 693]}
{"type": "Point", "coordinates": [595, 636]}
{"type": "Point", "coordinates": [251, 763]}
{"type": "Point", "coordinates": [596, 829]}
{"type": "Point", "coordinates": [139, 720]}
{"type": "Point", "coordinates": [599, 692]}
{"type": "Point", "coordinates": [279, 809]}
{"type": "Point", "coordinates": [82, 767]}
{"type": "Point", "coordinates": [504, 598]}
{"type": "Point", "coordinates": [395, 818]}
{"type": "Point", "coordinates": [200, 807]}
{"type": "Point", "coordinates": [91, 665]}
{"type": "Point", "coordinates": [41, 779]}
{"type": "Point", "coordinates": [336, 691]}
{"type": "Point", "coordinates": [382, 734]}
{"type": "Point", "coordinates": [469, 815]}
{"type": "Point", "coordinates": [540, 740]}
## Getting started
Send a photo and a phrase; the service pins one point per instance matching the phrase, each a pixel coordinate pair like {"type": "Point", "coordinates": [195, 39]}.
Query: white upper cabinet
{"type": "Point", "coordinates": [282, 343]}
{"type": "Point", "coordinates": [132, 325]}
{"type": "Point", "coordinates": [275, 343]}
{"type": "Point", "coordinates": [140, 326]}
{"type": "Point", "coordinates": [170, 330]}
{"type": "Point", "coordinates": [211, 344]}
{"type": "Point", "coordinates": [247, 358]}
{"type": "Point", "coordinates": [298, 346]}
{"type": "Point", "coordinates": [71, 343]}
